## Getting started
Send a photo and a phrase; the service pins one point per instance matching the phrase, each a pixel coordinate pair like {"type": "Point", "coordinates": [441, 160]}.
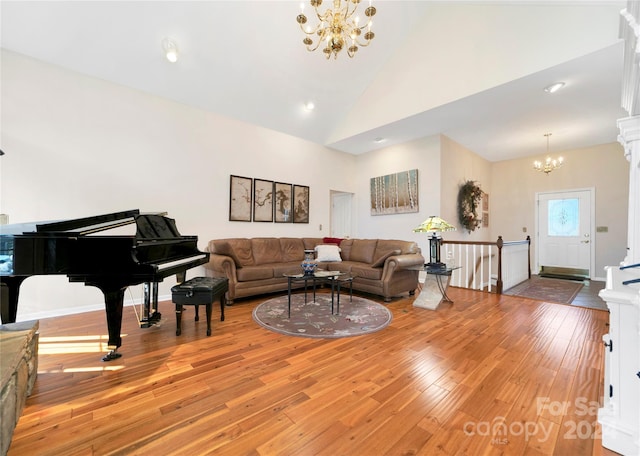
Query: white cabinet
{"type": "Point", "coordinates": [620, 414]}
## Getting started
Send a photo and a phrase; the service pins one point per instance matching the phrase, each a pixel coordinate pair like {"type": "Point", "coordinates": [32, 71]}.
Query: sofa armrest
{"type": "Point", "coordinates": [398, 262]}
{"type": "Point", "coordinates": [222, 266]}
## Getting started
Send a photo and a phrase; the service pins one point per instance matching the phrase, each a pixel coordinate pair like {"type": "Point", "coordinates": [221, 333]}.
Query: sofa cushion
{"type": "Point", "coordinates": [292, 249]}
{"type": "Point", "coordinates": [326, 252]}
{"type": "Point", "coordinates": [379, 261]}
{"type": "Point", "coordinates": [292, 267]}
{"type": "Point", "coordinates": [266, 250]}
{"type": "Point", "coordinates": [249, 273]}
{"type": "Point", "coordinates": [310, 243]}
{"type": "Point", "coordinates": [366, 271]}
{"type": "Point", "coordinates": [239, 249]}
{"type": "Point", "coordinates": [340, 266]}
{"type": "Point", "coordinates": [362, 250]}
{"type": "Point", "coordinates": [345, 246]}
{"type": "Point", "coordinates": [384, 245]}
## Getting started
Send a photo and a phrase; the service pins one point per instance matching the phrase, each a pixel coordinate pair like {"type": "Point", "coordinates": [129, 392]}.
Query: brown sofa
{"type": "Point", "coordinates": [256, 266]}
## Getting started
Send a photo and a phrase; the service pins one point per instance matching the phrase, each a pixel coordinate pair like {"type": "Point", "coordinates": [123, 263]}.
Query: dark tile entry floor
{"type": "Point", "coordinates": [588, 296]}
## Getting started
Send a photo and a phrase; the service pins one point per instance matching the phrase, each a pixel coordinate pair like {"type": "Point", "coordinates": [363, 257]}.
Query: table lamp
{"type": "Point", "coordinates": [435, 225]}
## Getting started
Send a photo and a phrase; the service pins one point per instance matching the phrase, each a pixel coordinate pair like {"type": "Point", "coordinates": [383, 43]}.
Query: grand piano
{"type": "Point", "coordinates": [109, 262]}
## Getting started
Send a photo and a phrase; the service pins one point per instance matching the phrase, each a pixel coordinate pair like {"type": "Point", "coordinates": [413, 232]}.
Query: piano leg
{"type": "Point", "coordinates": [150, 314]}
{"type": "Point", "coordinates": [154, 303]}
{"type": "Point", "coordinates": [9, 300]}
{"type": "Point", "coordinates": [114, 301]}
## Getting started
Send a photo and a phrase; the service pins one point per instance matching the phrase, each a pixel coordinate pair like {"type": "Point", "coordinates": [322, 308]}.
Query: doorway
{"type": "Point", "coordinates": [341, 214]}
{"type": "Point", "coordinates": [565, 223]}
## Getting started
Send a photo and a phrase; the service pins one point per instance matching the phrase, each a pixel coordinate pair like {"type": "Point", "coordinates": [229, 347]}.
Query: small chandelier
{"type": "Point", "coordinates": [337, 28]}
{"type": "Point", "coordinates": [549, 164]}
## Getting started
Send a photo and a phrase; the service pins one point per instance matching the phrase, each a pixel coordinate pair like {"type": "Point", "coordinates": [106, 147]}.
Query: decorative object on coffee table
{"type": "Point", "coordinates": [309, 264]}
{"type": "Point", "coordinates": [314, 319]}
{"type": "Point", "coordinates": [434, 225]}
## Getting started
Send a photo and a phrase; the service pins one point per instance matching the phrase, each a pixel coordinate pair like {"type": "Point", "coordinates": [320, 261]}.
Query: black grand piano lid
{"type": "Point", "coordinates": [81, 226]}
{"type": "Point", "coordinates": [75, 227]}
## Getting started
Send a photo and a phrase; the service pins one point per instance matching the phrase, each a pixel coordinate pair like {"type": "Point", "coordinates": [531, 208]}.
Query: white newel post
{"type": "Point", "coordinates": [620, 415]}
{"type": "Point", "coordinates": [630, 139]}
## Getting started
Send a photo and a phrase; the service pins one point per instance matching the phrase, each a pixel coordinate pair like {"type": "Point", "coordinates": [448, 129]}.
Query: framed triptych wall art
{"type": "Point", "coordinates": [300, 204]}
{"type": "Point", "coordinates": [240, 198]}
{"type": "Point", "coordinates": [282, 202]}
{"type": "Point", "coordinates": [262, 200]}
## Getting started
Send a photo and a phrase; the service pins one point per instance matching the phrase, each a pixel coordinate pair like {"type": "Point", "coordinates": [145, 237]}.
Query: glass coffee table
{"type": "Point", "coordinates": [335, 278]}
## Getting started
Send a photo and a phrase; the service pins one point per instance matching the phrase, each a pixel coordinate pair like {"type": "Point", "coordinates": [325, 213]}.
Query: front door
{"type": "Point", "coordinates": [565, 231]}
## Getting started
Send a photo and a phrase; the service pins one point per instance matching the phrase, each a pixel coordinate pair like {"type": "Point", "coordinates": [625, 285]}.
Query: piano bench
{"type": "Point", "coordinates": [199, 291]}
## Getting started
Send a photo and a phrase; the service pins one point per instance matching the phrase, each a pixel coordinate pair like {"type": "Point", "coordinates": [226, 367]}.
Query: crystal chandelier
{"type": "Point", "coordinates": [337, 28]}
{"type": "Point", "coordinates": [549, 164]}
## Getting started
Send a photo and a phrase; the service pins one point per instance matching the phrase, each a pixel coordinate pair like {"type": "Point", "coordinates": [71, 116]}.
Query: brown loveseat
{"type": "Point", "coordinates": [256, 266]}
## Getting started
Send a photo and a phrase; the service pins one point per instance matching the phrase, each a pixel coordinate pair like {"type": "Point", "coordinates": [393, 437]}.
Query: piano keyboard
{"type": "Point", "coordinates": [171, 264]}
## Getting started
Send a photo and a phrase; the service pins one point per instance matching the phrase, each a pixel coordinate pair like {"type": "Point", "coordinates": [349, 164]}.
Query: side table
{"type": "Point", "coordinates": [434, 289]}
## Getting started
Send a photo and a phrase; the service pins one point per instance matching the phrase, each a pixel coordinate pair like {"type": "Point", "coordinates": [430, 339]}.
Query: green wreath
{"type": "Point", "coordinates": [469, 198]}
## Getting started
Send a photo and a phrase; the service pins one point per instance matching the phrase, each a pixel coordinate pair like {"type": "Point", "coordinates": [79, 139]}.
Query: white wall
{"type": "Point", "coordinates": [78, 146]}
{"type": "Point", "coordinates": [601, 167]}
{"type": "Point", "coordinates": [423, 155]}
{"type": "Point", "coordinates": [445, 165]}
{"type": "Point", "coordinates": [511, 31]}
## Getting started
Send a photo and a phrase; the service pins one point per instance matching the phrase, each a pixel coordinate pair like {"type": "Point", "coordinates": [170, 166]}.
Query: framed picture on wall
{"type": "Point", "coordinates": [240, 192]}
{"type": "Point", "coordinates": [262, 200]}
{"type": "Point", "coordinates": [485, 210]}
{"type": "Point", "coordinates": [394, 193]}
{"type": "Point", "coordinates": [300, 204]}
{"type": "Point", "coordinates": [282, 202]}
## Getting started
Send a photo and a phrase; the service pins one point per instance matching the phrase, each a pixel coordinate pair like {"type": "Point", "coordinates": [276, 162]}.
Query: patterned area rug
{"type": "Point", "coordinates": [314, 319]}
{"type": "Point", "coordinates": [545, 289]}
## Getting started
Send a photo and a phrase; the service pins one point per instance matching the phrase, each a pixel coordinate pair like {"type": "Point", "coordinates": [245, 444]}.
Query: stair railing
{"type": "Point", "coordinates": [486, 265]}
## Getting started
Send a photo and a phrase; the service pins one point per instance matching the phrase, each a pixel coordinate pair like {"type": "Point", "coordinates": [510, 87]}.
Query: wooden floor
{"type": "Point", "coordinates": [486, 375]}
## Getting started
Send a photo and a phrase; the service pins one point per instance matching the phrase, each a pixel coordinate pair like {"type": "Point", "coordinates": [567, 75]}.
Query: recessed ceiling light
{"type": "Point", "coordinates": [554, 87]}
{"type": "Point", "coordinates": [379, 140]}
{"type": "Point", "coordinates": [170, 50]}
{"type": "Point", "coordinates": [309, 106]}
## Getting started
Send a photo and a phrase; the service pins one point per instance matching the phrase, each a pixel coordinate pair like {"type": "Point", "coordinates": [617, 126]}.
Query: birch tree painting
{"type": "Point", "coordinates": [395, 193]}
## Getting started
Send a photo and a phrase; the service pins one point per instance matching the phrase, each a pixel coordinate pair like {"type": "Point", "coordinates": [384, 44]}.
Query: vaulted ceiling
{"type": "Point", "coordinates": [474, 70]}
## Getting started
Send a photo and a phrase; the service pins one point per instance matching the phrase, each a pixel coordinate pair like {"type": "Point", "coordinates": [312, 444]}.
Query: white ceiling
{"type": "Point", "coordinates": [474, 71]}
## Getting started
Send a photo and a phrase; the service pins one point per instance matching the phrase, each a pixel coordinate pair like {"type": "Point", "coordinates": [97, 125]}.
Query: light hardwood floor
{"type": "Point", "coordinates": [486, 375]}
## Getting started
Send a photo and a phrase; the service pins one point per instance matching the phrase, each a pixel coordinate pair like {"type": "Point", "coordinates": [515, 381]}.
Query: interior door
{"type": "Point", "coordinates": [341, 203]}
{"type": "Point", "coordinates": [565, 230]}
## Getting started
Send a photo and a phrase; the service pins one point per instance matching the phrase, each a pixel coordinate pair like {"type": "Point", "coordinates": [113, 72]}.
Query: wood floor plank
{"type": "Point", "coordinates": [432, 382]}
